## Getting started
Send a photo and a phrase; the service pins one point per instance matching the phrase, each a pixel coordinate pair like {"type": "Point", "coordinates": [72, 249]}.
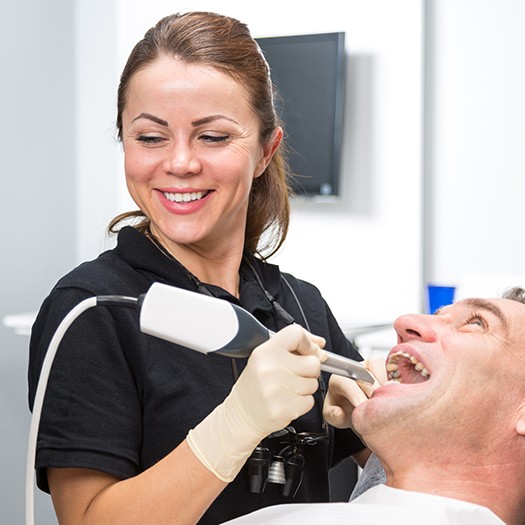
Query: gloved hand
{"type": "Point", "coordinates": [276, 387]}
{"type": "Point", "coordinates": [345, 394]}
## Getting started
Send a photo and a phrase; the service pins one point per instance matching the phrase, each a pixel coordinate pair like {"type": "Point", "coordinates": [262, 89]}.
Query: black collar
{"type": "Point", "coordinates": [143, 255]}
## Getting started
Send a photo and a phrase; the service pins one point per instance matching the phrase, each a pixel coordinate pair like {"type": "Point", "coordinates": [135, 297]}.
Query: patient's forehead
{"type": "Point", "coordinates": [508, 306]}
{"type": "Point", "coordinates": [515, 313]}
{"type": "Point", "coordinates": [505, 307]}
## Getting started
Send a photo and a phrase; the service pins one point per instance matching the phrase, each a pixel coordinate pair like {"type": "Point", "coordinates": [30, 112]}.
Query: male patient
{"type": "Point", "coordinates": [448, 426]}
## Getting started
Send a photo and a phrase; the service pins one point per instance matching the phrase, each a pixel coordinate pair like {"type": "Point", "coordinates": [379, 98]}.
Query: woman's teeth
{"type": "Point", "coordinates": [400, 375]}
{"type": "Point", "coordinates": [185, 197]}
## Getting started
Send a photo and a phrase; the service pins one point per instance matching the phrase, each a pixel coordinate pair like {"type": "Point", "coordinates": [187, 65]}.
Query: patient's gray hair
{"type": "Point", "coordinates": [515, 294]}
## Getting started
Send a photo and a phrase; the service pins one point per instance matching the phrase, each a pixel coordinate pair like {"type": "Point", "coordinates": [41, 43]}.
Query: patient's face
{"type": "Point", "coordinates": [455, 375]}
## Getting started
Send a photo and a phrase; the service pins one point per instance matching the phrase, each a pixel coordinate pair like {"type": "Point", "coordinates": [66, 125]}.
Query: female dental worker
{"type": "Point", "coordinates": [139, 430]}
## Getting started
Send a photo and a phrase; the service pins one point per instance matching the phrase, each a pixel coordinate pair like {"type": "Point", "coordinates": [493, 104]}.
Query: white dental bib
{"type": "Point", "coordinates": [380, 505]}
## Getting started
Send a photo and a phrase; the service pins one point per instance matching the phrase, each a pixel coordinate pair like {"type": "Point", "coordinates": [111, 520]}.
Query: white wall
{"type": "Point", "coordinates": [476, 175]}
{"type": "Point", "coordinates": [368, 244]}
{"type": "Point", "coordinates": [97, 151]}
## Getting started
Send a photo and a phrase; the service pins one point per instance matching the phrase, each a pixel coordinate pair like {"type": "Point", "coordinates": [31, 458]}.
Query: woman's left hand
{"type": "Point", "coordinates": [345, 394]}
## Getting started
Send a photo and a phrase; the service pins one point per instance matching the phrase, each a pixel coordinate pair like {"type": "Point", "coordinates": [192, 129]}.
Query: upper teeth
{"type": "Point", "coordinates": [392, 366]}
{"type": "Point", "coordinates": [185, 197]}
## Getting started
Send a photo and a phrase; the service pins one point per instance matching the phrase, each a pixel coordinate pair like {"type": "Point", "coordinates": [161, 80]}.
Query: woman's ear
{"type": "Point", "coordinates": [268, 151]}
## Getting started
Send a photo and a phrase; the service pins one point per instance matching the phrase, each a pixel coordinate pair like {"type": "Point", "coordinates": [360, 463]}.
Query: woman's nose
{"type": "Point", "coordinates": [415, 326]}
{"type": "Point", "coordinates": [181, 161]}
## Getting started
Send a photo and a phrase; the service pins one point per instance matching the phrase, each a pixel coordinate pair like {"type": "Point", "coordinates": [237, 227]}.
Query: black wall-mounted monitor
{"type": "Point", "coordinates": [309, 74]}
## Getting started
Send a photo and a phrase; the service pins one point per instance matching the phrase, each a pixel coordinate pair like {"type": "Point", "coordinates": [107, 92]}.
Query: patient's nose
{"type": "Point", "coordinates": [415, 326]}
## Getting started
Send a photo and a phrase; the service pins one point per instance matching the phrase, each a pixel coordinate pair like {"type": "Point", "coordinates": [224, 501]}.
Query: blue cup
{"type": "Point", "coordinates": [438, 296]}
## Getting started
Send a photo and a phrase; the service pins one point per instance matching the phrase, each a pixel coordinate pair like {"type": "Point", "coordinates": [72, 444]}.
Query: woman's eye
{"type": "Point", "coordinates": [150, 139]}
{"type": "Point", "coordinates": [214, 139]}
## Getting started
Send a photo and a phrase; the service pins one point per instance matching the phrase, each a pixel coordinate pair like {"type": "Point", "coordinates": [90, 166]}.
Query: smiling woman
{"type": "Point", "coordinates": [135, 429]}
{"type": "Point", "coordinates": [192, 150]}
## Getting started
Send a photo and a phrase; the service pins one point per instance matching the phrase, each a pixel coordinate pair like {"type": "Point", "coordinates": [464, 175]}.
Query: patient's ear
{"type": "Point", "coordinates": [520, 422]}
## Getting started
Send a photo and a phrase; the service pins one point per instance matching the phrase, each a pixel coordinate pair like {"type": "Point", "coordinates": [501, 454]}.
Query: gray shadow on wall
{"type": "Point", "coordinates": [358, 168]}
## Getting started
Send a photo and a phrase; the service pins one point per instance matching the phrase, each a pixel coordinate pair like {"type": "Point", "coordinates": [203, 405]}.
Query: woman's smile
{"type": "Point", "coordinates": [186, 202]}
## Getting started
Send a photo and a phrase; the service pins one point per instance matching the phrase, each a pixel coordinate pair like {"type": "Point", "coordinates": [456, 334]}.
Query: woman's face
{"type": "Point", "coordinates": [192, 149]}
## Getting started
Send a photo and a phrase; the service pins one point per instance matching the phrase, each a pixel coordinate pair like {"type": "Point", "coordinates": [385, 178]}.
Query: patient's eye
{"type": "Point", "coordinates": [476, 320]}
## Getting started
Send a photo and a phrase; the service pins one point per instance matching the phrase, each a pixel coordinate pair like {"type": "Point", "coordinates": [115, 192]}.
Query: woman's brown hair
{"type": "Point", "coordinates": [225, 44]}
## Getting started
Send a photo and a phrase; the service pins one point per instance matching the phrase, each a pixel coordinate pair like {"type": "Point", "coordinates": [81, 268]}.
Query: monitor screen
{"type": "Point", "coordinates": [308, 72]}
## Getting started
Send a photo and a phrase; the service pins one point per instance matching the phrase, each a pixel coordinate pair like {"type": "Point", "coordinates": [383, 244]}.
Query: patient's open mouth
{"type": "Point", "coordinates": [405, 368]}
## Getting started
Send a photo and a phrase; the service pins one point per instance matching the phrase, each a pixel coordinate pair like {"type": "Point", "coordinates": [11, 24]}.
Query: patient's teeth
{"type": "Point", "coordinates": [392, 366]}
{"type": "Point", "coordinates": [394, 378]}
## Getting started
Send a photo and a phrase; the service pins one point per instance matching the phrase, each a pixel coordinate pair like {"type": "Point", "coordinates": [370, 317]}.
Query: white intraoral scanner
{"type": "Point", "coordinates": [179, 316]}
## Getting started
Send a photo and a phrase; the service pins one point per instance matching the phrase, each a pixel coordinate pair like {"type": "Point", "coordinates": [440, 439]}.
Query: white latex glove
{"type": "Point", "coordinates": [276, 387]}
{"type": "Point", "coordinates": [345, 394]}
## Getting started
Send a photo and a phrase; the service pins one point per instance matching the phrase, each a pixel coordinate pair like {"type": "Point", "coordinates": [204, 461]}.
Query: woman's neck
{"type": "Point", "coordinates": [219, 267]}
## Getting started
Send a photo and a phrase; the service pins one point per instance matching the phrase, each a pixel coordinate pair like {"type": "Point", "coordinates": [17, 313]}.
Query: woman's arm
{"type": "Point", "coordinates": [176, 490]}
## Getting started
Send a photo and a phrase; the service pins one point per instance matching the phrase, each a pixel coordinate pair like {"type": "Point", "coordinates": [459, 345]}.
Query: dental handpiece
{"type": "Point", "coordinates": [215, 326]}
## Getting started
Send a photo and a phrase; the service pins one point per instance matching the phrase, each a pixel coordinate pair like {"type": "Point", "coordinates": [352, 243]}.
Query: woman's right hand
{"type": "Point", "coordinates": [276, 387]}
{"type": "Point", "coordinates": [279, 381]}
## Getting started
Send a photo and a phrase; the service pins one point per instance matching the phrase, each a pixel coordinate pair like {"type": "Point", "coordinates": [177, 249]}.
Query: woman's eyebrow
{"type": "Point", "coordinates": [211, 118]}
{"type": "Point", "coordinates": [195, 123]}
{"type": "Point", "coordinates": [151, 117]}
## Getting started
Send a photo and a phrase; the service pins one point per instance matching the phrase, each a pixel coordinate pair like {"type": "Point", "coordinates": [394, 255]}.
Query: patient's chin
{"type": "Point", "coordinates": [367, 416]}
{"type": "Point", "coordinates": [385, 414]}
